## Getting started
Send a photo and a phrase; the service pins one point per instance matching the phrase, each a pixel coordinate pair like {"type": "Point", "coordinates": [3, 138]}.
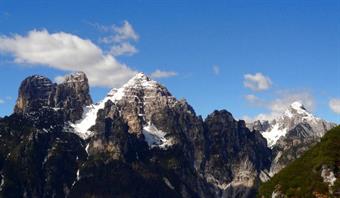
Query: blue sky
{"type": "Point", "coordinates": [290, 50]}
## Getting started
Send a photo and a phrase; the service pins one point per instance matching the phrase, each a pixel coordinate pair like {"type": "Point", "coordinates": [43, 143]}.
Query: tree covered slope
{"type": "Point", "coordinates": [315, 174]}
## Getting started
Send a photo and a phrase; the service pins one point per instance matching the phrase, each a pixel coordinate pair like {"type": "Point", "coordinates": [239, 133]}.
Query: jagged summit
{"type": "Point", "coordinates": [140, 89]}
{"type": "Point", "coordinates": [294, 115]}
{"type": "Point", "coordinates": [33, 94]}
{"type": "Point", "coordinates": [78, 76]}
{"type": "Point", "coordinates": [297, 108]}
{"type": "Point", "coordinates": [37, 93]}
{"type": "Point", "coordinates": [290, 134]}
{"type": "Point", "coordinates": [140, 76]}
{"type": "Point", "coordinates": [140, 81]}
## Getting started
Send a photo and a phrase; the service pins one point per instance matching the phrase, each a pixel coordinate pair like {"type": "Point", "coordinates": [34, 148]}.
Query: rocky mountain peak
{"type": "Point", "coordinates": [76, 77]}
{"type": "Point", "coordinates": [141, 77]}
{"type": "Point", "coordinates": [37, 93]}
{"type": "Point", "coordinates": [295, 114]}
{"type": "Point", "coordinates": [72, 95]}
{"type": "Point", "coordinates": [297, 109]}
{"type": "Point", "coordinates": [33, 94]}
{"type": "Point", "coordinates": [292, 133]}
{"type": "Point", "coordinates": [138, 100]}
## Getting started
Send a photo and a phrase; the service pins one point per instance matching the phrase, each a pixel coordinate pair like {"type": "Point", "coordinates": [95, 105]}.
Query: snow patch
{"type": "Point", "coordinates": [167, 182]}
{"type": "Point", "coordinates": [328, 176]}
{"type": "Point", "coordinates": [87, 148]}
{"type": "Point", "coordinates": [2, 181]}
{"type": "Point", "coordinates": [78, 175]}
{"type": "Point", "coordinates": [273, 135]}
{"type": "Point", "coordinates": [89, 117]}
{"type": "Point", "coordinates": [155, 137]}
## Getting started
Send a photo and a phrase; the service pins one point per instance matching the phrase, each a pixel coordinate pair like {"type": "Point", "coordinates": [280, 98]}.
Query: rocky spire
{"type": "Point", "coordinates": [34, 93]}
{"type": "Point", "coordinates": [38, 92]}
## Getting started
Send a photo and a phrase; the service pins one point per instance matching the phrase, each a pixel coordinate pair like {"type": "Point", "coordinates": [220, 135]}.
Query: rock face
{"type": "Point", "coordinates": [38, 93]}
{"type": "Point", "coordinates": [34, 94]}
{"type": "Point", "coordinates": [291, 134]}
{"type": "Point", "coordinates": [35, 162]}
{"type": "Point", "coordinates": [151, 111]}
{"type": "Point", "coordinates": [234, 155]}
{"type": "Point", "coordinates": [72, 95]}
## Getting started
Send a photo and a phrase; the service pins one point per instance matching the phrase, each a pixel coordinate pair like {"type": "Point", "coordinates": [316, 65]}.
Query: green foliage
{"type": "Point", "coordinates": [302, 178]}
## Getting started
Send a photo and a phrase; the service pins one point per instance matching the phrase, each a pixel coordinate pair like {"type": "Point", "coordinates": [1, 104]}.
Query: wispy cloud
{"type": "Point", "coordinates": [123, 49]}
{"type": "Point", "coordinates": [252, 98]}
{"type": "Point", "coordinates": [257, 82]}
{"type": "Point", "coordinates": [216, 69]}
{"type": "Point", "coordinates": [334, 105]}
{"type": "Point", "coordinates": [118, 33]}
{"type": "Point", "coordinates": [118, 38]}
{"type": "Point", "coordinates": [2, 101]}
{"type": "Point", "coordinates": [163, 74]}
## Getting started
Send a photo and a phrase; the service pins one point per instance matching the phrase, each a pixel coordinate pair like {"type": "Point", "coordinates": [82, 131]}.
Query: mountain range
{"type": "Point", "coordinates": [140, 141]}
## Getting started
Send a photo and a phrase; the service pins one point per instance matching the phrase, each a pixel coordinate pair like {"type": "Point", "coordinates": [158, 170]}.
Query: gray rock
{"type": "Point", "coordinates": [235, 156]}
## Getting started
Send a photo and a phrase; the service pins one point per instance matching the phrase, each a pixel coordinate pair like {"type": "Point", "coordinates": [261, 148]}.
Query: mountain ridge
{"type": "Point", "coordinates": [140, 129]}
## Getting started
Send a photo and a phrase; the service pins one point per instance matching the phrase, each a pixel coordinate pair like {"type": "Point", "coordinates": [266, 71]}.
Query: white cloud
{"type": "Point", "coordinates": [123, 49]}
{"type": "Point", "coordinates": [2, 101]}
{"type": "Point", "coordinates": [334, 104]}
{"type": "Point", "coordinates": [279, 104]}
{"type": "Point", "coordinates": [118, 33]}
{"type": "Point", "coordinates": [162, 74]}
{"type": "Point", "coordinates": [216, 69]}
{"type": "Point", "coordinates": [257, 82]}
{"type": "Point", "coordinates": [67, 52]}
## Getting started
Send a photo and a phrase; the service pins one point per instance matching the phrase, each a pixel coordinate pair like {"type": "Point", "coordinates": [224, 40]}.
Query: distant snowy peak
{"type": "Point", "coordinates": [295, 114]}
{"type": "Point", "coordinates": [297, 110]}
